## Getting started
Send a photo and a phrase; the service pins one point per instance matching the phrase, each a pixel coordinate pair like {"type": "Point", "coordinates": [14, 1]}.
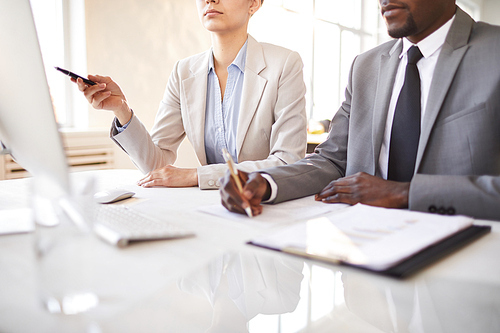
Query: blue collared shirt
{"type": "Point", "coordinates": [221, 117]}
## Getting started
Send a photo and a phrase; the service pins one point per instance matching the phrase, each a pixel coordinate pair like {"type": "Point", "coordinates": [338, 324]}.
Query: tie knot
{"type": "Point", "coordinates": [414, 55]}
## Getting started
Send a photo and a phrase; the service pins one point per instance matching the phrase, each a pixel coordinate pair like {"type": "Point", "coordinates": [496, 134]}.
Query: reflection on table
{"type": "Point", "coordinates": [215, 282]}
{"type": "Point", "coordinates": [273, 292]}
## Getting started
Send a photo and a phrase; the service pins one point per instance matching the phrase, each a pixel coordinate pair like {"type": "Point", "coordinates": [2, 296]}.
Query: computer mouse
{"type": "Point", "coordinates": [112, 195]}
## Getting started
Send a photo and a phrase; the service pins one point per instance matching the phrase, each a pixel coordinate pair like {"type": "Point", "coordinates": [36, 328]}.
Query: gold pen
{"type": "Point", "coordinates": [234, 174]}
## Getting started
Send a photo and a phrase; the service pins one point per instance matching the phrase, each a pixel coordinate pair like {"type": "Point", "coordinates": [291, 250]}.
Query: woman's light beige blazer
{"type": "Point", "coordinates": [271, 126]}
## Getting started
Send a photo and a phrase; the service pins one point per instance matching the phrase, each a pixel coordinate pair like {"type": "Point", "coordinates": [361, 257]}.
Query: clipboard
{"type": "Point", "coordinates": [437, 251]}
{"type": "Point", "coordinates": [414, 263]}
{"type": "Point", "coordinates": [456, 232]}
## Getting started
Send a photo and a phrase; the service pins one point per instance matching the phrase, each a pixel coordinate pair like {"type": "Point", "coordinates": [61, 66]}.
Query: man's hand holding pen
{"type": "Point", "coordinates": [255, 190]}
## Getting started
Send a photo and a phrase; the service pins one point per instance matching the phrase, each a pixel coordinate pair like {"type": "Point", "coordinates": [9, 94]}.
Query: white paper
{"type": "Point", "coordinates": [286, 212]}
{"type": "Point", "coordinates": [372, 237]}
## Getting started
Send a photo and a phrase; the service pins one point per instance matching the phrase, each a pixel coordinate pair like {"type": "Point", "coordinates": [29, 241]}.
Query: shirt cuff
{"type": "Point", "coordinates": [119, 127]}
{"type": "Point", "coordinates": [273, 185]}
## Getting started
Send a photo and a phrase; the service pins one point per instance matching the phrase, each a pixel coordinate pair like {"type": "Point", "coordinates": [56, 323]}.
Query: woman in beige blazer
{"type": "Point", "coordinates": [256, 100]}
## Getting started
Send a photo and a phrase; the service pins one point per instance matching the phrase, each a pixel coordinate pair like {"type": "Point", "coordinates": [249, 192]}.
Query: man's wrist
{"type": "Point", "coordinates": [271, 188]}
{"type": "Point", "coordinates": [403, 195]}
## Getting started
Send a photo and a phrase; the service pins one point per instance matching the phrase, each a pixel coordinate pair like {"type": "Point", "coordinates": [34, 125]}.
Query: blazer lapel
{"type": "Point", "coordinates": [451, 55]}
{"type": "Point", "coordinates": [253, 88]}
{"type": "Point", "coordinates": [387, 75]}
{"type": "Point", "coordinates": [194, 90]}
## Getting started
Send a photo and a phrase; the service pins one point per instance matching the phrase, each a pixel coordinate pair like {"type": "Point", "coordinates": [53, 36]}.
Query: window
{"type": "Point", "coordinates": [328, 34]}
{"type": "Point", "coordinates": [471, 7]}
{"type": "Point", "coordinates": [60, 27]}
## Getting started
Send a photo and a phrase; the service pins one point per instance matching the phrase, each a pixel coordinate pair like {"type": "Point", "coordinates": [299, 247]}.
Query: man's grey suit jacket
{"type": "Point", "coordinates": [458, 160]}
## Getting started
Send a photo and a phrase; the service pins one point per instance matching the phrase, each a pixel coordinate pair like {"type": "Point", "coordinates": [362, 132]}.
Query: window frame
{"type": "Point", "coordinates": [71, 39]}
{"type": "Point", "coordinates": [377, 35]}
{"type": "Point", "coordinates": [311, 18]}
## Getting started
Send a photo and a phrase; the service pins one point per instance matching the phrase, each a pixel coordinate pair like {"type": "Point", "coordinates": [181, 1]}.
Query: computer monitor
{"type": "Point", "coordinates": [28, 127]}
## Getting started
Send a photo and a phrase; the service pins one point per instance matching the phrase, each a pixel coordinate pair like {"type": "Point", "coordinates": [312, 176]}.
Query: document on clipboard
{"type": "Point", "coordinates": [391, 241]}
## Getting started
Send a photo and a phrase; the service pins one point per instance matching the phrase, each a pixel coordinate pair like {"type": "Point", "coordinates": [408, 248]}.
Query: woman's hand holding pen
{"type": "Point", "coordinates": [255, 189]}
{"type": "Point", "coordinates": [106, 95]}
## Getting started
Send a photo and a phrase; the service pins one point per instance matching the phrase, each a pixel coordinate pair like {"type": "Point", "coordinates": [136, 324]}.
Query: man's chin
{"type": "Point", "coordinates": [401, 30]}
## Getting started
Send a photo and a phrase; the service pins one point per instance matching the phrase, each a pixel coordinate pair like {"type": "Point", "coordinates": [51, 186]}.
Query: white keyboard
{"type": "Point", "coordinates": [118, 225]}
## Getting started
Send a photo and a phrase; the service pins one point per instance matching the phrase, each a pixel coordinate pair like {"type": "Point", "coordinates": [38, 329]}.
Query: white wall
{"type": "Point", "coordinates": [491, 11]}
{"type": "Point", "coordinates": [137, 43]}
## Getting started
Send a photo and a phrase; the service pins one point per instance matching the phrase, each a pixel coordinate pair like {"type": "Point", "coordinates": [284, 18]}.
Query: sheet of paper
{"type": "Point", "coordinates": [286, 212]}
{"type": "Point", "coordinates": [13, 221]}
{"type": "Point", "coordinates": [376, 238]}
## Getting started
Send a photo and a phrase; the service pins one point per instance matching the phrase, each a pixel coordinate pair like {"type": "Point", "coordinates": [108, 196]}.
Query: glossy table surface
{"type": "Point", "coordinates": [215, 282]}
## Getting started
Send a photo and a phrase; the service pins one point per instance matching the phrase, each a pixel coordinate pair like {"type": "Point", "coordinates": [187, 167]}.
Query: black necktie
{"type": "Point", "coordinates": [406, 125]}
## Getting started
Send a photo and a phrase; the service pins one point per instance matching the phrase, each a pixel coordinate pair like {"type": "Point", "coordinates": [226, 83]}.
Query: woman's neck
{"type": "Point", "coordinates": [226, 47]}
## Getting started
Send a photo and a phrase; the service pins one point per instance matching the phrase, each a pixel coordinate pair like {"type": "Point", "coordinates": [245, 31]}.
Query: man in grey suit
{"type": "Point", "coordinates": [455, 167]}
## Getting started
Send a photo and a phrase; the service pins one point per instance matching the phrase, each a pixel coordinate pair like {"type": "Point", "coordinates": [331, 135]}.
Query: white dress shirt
{"type": "Point", "coordinates": [431, 48]}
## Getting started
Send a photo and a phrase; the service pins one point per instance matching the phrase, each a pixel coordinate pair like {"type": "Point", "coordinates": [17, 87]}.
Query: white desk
{"type": "Point", "coordinates": [215, 283]}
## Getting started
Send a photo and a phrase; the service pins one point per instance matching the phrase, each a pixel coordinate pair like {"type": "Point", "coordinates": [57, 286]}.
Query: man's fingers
{"type": "Point", "coordinates": [236, 201]}
{"type": "Point", "coordinates": [255, 187]}
{"type": "Point", "coordinates": [232, 200]}
{"type": "Point", "coordinates": [238, 208]}
{"type": "Point", "coordinates": [346, 198]}
{"type": "Point", "coordinates": [335, 187]}
{"type": "Point", "coordinates": [334, 198]}
{"type": "Point", "coordinates": [249, 192]}
{"type": "Point", "coordinates": [243, 176]}
{"type": "Point", "coordinates": [256, 210]}
{"type": "Point", "coordinates": [328, 190]}
{"type": "Point", "coordinates": [234, 208]}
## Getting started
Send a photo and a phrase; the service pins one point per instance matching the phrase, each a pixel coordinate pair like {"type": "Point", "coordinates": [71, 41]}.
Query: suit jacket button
{"type": "Point", "coordinates": [451, 211]}
{"type": "Point", "coordinates": [441, 211]}
{"type": "Point", "coordinates": [432, 209]}
{"type": "Point", "coordinates": [211, 183]}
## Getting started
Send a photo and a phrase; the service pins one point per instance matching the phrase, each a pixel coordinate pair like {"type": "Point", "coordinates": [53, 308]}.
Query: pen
{"type": "Point", "coordinates": [75, 76]}
{"type": "Point", "coordinates": [234, 174]}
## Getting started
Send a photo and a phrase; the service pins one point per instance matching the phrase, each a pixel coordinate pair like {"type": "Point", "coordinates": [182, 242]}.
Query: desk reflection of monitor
{"type": "Point", "coordinates": [27, 123]}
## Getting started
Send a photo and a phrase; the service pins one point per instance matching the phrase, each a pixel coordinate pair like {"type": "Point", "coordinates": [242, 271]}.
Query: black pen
{"type": "Point", "coordinates": [75, 76]}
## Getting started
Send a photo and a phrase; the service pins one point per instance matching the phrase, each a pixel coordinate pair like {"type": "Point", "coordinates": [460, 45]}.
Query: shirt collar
{"type": "Point", "coordinates": [239, 61]}
{"type": "Point", "coordinates": [430, 44]}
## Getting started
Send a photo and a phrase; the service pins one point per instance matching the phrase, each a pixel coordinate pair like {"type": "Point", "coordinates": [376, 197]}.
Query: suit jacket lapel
{"type": "Point", "coordinates": [451, 55]}
{"type": "Point", "coordinates": [194, 89]}
{"type": "Point", "coordinates": [387, 75]}
{"type": "Point", "coordinates": [253, 88]}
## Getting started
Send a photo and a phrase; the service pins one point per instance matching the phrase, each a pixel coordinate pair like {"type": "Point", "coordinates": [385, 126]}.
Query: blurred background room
{"type": "Point", "coordinates": [137, 43]}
